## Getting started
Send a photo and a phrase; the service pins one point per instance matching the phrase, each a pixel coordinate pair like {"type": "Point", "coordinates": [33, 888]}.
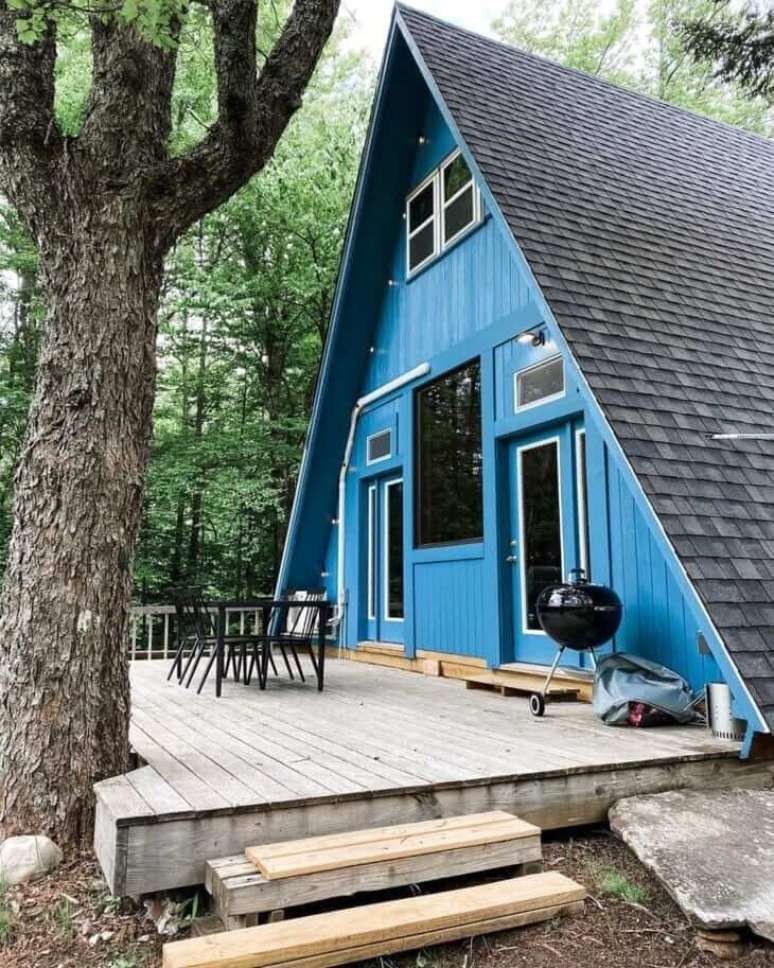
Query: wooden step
{"type": "Point", "coordinates": [242, 895]}
{"type": "Point", "coordinates": [356, 934]}
{"type": "Point", "coordinates": [387, 844]}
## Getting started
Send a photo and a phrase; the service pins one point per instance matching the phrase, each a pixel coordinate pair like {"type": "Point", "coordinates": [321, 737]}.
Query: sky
{"type": "Point", "coordinates": [372, 17]}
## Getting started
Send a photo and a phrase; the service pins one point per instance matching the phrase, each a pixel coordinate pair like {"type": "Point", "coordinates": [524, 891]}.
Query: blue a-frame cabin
{"type": "Point", "coordinates": [555, 295]}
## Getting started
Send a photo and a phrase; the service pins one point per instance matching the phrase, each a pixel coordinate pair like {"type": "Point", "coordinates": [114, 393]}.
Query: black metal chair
{"type": "Point", "coordinates": [197, 631]}
{"type": "Point", "coordinates": [296, 628]}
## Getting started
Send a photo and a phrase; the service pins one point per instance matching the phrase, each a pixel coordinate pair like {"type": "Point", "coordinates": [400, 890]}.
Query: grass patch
{"type": "Point", "coordinates": [6, 914]}
{"type": "Point", "coordinates": [615, 884]}
{"type": "Point", "coordinates": [64, 916]}
{"type": "Point", "coordinates": [122, 962]}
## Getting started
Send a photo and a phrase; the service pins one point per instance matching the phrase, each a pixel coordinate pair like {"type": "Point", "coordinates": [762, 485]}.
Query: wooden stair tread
{"type": "Point", "coordinates": [340, 936]}
{"type": "Point", "coordinates": [384, 844]}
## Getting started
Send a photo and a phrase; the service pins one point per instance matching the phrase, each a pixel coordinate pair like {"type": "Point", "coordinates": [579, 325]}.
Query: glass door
{"type": "Point", "coordinates": [384, 560]}
{"type": "Point", "coordinates": [543, 543]}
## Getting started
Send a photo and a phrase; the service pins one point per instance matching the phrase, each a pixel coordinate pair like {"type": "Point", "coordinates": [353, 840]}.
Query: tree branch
{"type": "Point", "coordinates": [29, 140]}
{"type": "Point", "coordinates": [253, 111]}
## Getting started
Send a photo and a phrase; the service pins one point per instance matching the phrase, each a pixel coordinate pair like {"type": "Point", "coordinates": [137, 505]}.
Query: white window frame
{"type": "Point", "coordinates": [522, 545]}
{"type": "Point", "coordinates": [370, 437]}
{"type": "Point", "coordinates": [371, 590]}
{"type": "Point", "coordinates": [432, 179]}
{"type": "Point", "coordinates": [386, 551]}
{"type": "Point", "coordinates": [446, 202]}
{"type": "Point", "coordinates": [581, 471]}
{"type": "Point", "coordinates": [542, 400]}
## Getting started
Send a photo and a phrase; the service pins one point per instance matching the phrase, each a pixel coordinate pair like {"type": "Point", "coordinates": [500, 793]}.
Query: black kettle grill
{"type": "Point", "coordinates": [576, 615]}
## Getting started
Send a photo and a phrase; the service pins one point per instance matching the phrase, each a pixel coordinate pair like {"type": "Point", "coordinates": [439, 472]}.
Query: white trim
{"type": "Point", "coordinates": [386, 551]}
{"type": "Point", "coordinates": [542, 400]}
{"type": "Point", "coordinates": [522, 544]}
{"type": "Point", "coordinates": [371, 589]}
{"type": "Point", "coordinates": [446, 202]}
{"type": "Point", "coordinates": [370, 437]}
{"type": "Point", "coordinates": [432, 179]}
{"type": "Point", "coordinates": [581, 477]}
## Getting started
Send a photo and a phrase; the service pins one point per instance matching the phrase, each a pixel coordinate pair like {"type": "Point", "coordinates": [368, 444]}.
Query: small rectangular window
{"type": "Point", "coordinates": [393, 551]}
{"type": "Point", "coordinates": [422, 241]}
{"type": "Point", "coordinates": [460, 198]}
{"type": "Point", "coordinates": [539, 383]}
{"type": "Point", "coordinates": [379, 446]}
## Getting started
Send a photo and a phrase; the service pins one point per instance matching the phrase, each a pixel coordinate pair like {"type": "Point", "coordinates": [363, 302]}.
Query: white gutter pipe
{"type": "Point", "coordinates": [400, 381]}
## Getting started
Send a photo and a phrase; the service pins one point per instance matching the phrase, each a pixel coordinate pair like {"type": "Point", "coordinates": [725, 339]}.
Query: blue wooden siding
{"type": "Point", "coordinates": [470, 302]}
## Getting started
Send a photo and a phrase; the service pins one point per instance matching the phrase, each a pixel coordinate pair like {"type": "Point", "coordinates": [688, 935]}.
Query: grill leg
{"type": "Point", "coordinates": [554, 667]}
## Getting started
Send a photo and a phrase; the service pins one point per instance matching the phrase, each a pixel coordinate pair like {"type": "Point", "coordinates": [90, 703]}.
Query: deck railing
{"type": "Point", "coordinates": [153, 629]}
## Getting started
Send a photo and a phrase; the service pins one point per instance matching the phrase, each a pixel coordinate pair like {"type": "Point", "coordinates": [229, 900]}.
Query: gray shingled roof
{"type": "Point", "coordinates": [651, 233]}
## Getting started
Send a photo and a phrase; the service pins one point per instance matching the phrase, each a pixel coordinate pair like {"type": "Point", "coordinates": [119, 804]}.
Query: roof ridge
{"type": "Point", "coordinates": [741, 133]}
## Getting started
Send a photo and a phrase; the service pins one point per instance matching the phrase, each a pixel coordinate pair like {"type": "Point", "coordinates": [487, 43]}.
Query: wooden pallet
{"type": "Point", "coordinates": [280, 876]}
{"type": "Point", "coordinates": [356, 934]}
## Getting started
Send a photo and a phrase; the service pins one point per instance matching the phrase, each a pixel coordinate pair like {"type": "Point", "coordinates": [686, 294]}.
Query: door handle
{"type": "Point", "coordinates": [511, 558]}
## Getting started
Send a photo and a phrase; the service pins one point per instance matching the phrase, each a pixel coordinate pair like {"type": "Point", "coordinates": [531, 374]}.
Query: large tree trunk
{"type": "Point", "coordinates": [64, 691]}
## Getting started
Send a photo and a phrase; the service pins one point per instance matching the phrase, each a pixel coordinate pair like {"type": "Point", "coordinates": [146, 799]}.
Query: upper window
{"type": "Point", "coordinates": [422, 228]}
{"type": "Point", "coordinates": [449, 505]}
{"type": "Point", "coordinates": [539, 383]}
{"type": "Point", "coordinates": [379, 446]}
{"type": "Point", "coordinates": [459, 198]}
{"type": "Point", "coordinates": [439, 211]}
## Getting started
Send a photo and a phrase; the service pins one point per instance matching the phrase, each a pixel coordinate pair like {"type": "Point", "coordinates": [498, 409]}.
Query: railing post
{"type": "Point", "coordinates": [166, 635]}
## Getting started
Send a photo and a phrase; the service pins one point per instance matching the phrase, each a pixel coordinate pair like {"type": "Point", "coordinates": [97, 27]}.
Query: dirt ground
{"type": "Point", "coordinates": [70, 921]}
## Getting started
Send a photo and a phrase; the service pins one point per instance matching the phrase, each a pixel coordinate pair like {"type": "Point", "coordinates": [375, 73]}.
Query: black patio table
{"type": "Point", "coordinates": [268, 608]}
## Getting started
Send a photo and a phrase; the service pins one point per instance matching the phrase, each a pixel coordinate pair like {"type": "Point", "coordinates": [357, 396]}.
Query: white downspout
{"type": "Point", "coordinates": [396, 384]}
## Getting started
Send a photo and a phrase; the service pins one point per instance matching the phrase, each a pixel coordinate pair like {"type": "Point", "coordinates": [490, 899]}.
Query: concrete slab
{"type": "Point", "coordinates": [712, 851]}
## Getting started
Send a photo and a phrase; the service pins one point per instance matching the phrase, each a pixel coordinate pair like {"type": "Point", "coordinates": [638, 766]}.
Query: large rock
{"type": "Point", "coordinates": [712, 850]}
{"type": "Point", "coordinates": [27, 858]}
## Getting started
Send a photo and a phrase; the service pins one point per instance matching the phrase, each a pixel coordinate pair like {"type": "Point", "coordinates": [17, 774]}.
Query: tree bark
{"type": "Point", "coordinates": [103, 208]}
{"type": "Point", "coordinates": [64, 691]}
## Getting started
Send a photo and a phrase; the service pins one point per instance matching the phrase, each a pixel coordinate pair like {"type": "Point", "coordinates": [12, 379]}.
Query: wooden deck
{"type": "Point", "coordinates": [379, 746]}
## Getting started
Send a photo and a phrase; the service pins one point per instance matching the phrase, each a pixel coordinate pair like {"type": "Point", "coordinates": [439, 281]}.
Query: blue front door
{"type": "Point", "coordinates": [383, 596]}
{"type": "Point", "coordinates": [544, 539]}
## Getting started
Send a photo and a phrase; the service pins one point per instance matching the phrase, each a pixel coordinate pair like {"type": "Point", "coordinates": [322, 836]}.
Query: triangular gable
{"type": "Point", "coordinates": [314, 507]}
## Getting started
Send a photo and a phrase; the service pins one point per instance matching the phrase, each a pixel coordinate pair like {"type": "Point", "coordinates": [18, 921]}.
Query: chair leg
{"type": "Point", "coordinates": [298, 662]}
{"type": "Point", "coordinates": [196, 646]}
{"type": "Point", "coordinates": [207, 669]}
{"type": "Point", "coordinates": [199, 654]}
{"type": "Point", "coordinates": [177, 662]}
{"type": "Point", "coordinates": [285, 657]}
{"type": "Point", "coordinates": [272, 662]}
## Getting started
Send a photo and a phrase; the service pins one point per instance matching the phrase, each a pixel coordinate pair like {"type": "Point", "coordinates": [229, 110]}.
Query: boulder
{"type": "Point", "coordinates": [27, 859]}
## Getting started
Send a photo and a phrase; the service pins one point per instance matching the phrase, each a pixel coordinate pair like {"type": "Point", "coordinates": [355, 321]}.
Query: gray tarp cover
{"type": "Point", "coordinates": [622, 679]}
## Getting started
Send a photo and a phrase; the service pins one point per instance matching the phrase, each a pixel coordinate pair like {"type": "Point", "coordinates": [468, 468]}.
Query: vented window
{"type": "Point", "coordinates": [379, 446]}
{"type": "Point", "coordinates": [540, 383]}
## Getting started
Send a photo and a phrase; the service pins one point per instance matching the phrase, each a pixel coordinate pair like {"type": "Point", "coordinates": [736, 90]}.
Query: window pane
{"type": "Point", "coordinates": [455, 176]}
{"type": "Point", "coordinates": [458, 215]}
{"type": "Point", "coordinates": [539, 382]}
{"type": "Point", "coordinates": [541, 523]}
{"type": "Point", "coordinates": [395, 550]}
{"type": "Point", "coordinates": [372, 552]}
{"type": "Point", "coordinates": [379, 446]}
{"type": "Point", "coordinates": [421, 245]}
{"type": "Point", "coordinates": [449, 464]}
{"type": "Point", "coordinates": [421, 207]}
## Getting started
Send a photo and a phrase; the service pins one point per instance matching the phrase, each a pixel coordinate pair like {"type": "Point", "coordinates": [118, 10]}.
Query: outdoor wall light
{"type": "Point", "coordinates": [534, 337]}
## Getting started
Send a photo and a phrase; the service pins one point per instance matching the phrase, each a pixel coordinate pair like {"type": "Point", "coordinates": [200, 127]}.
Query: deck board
{"type": "Point", "coordinates": [379, 746]}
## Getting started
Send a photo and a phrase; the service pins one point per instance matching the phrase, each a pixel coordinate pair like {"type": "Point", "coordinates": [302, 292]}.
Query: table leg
{"type": "Point", "coordinates": [322, 624]}
{"type": "Point", "coordinates": [266, 619]}
{"type": "Point", "coordinates": [220, 646]}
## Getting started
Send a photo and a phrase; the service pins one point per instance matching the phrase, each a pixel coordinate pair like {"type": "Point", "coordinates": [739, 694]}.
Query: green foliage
{"type": "Point", "coordinates": [157, 20]}
{"type": "Point", "coordinates": [618, 885]}
{"type": "Point", "coordinates": [64, 917]}
{"type": "Point", "coordinates": [738, 45]}
{"type": "Point", "coordinates": [636, 45]}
